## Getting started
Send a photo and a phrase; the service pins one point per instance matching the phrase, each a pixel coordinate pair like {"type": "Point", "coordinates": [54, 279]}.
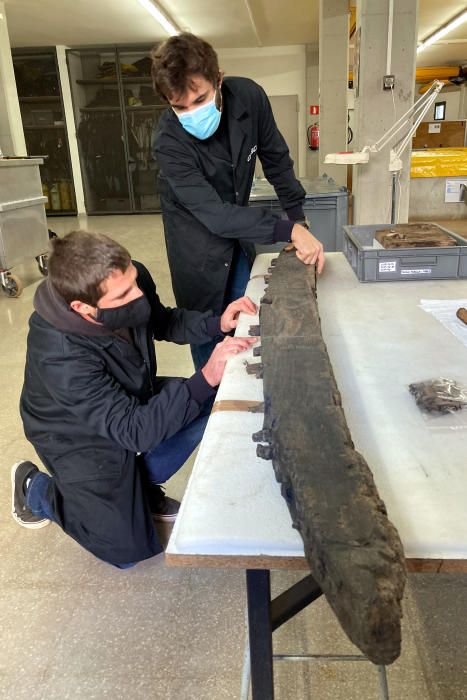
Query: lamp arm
{"type": "Point", "coordinates": [424, 102]}
{"type": "Point", "coordinates": [416, 124]}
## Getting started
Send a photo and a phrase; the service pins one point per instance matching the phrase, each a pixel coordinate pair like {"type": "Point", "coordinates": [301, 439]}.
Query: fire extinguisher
{"type": "Point", "coordinates": [313, 137]}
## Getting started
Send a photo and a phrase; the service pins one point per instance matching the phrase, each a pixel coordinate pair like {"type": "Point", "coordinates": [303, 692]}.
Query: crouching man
{"type": "Point", "coordinates": [107, 429]}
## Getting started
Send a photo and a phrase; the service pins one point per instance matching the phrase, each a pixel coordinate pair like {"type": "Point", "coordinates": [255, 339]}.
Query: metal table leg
{"type": "Point", "coordinates": [258, 585]}
{"type": "Point", "coordinates": [266, 615]}
{"type": "Point", "coordinates": [245, 686]}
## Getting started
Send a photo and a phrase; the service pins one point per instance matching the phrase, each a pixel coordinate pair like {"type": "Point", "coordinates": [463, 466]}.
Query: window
{"type": "Point", "coordinates": [440, 111]}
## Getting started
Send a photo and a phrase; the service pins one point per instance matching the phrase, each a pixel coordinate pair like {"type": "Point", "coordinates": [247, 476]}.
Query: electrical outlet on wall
{"type": "Point", "coordinates": [389, 82]}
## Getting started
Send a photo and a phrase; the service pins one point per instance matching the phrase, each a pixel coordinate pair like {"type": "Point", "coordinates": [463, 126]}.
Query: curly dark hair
{"type": "Point", "coordinates": [81, 261]}
{"type": "Point", "coordinates": [177, 60]}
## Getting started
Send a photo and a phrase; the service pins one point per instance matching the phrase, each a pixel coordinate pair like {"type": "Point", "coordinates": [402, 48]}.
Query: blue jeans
{"type": "Point", "coordinates": [170, 455]}
{"type": "Point", "coordinates": [238, 280]}
{"type": "Point", "coordinates": [37, 496]}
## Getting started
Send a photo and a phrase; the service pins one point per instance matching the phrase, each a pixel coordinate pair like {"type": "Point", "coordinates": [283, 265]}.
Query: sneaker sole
{"type": "Point", "coordinates": [28, 526]}
{"type": "Point", "coordinates": [164, 518]}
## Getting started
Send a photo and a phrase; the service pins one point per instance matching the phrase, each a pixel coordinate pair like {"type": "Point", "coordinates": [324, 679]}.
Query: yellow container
{"type": "Point", "coordinates": [65, 194]}
{"type": "Point", "coordinates": [45, 192]}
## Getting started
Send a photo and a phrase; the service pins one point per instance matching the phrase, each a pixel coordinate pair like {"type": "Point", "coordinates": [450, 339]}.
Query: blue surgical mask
{"type": "Point", "coordinates": [201, 122]}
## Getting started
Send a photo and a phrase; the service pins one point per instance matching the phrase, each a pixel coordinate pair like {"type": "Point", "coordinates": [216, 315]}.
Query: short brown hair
{"type": "Point", "coordinates": [81, 261]}
{"type": "Point", "coordinates": [179, 58]}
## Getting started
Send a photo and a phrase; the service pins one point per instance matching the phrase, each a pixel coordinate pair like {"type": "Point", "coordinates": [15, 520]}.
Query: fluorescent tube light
{"type": "Point", "coordinates": [456, 22]}
{"type": "Point", "coordinates": [160, 17]}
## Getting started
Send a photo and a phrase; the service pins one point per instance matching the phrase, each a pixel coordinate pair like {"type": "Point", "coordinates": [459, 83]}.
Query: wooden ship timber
{"type": "Point", "coordinates": [353, 550]}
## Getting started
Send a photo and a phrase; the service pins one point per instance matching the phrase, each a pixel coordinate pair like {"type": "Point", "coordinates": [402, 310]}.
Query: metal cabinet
{"type": "Point", "coordinates": [40, 98]}
{"type": "Point", "coordinates": [115, 111]}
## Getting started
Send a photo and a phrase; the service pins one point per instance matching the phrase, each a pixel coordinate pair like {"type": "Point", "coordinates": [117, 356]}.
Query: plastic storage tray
{"type": "Point", "coordinates": [372, 264]}
{"type": "Point", "coordinates": [326, 207]}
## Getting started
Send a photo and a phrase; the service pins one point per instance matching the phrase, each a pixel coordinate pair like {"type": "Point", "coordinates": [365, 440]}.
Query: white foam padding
{"type": "Point", "coordinates": [233, 503]}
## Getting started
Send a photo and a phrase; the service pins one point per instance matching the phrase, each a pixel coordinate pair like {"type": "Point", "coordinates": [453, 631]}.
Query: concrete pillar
{"type": "Point", "coordinates": [463, 102]}
{"type": "Point", "coordinates": [12, 141]}
{"type": "Point", "coordinates": [376, 110]}
{"type": "Point", "coordinates": [333, 81]}
{"type": "Point", "coordinates": [312, 96]}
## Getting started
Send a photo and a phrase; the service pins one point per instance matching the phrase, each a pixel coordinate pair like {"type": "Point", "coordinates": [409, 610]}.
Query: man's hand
{"type": "Point", "coordinates": [309, 249]}
{"type": "Point", "coordinates": [214, 367]}
{"type": "Point", "coordinates": [229, 318]}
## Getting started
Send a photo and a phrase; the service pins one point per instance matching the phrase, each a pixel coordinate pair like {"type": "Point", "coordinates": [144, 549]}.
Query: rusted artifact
{"type": "Point", "coordinates": [255, 368]}
{"type": "Point", "coordinates": [414, 236]}
{"type": "Point", "coordinates": [439, 395]}
{"type": "Point", "coordinates": [353, 550]}
{"type": "Point", "coordinates": [462, 314]}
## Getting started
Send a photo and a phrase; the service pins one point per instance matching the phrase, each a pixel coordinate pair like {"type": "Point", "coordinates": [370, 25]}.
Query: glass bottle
{"type": "Point", "coordinates": [55, 197]}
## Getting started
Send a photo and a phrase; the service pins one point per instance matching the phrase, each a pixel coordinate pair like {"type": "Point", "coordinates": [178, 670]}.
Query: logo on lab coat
{"type": "Point", "coordinates": [252, 152]}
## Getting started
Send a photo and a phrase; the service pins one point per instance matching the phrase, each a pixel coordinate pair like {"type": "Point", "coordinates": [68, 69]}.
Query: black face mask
{"type": "Point", "coordinates": [135, 313]}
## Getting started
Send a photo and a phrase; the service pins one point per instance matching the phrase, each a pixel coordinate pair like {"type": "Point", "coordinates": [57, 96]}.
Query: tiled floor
{"type": "Point", "coordinates": [73, 627]}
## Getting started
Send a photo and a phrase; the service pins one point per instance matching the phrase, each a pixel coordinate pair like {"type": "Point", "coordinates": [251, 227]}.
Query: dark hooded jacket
{"type": "Point", "coordinates": [91, 401]}
{"type": "Point", "coordinates": [205, 186]}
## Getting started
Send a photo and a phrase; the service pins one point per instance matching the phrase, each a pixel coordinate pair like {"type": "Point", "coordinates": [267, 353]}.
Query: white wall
{"type": "Point", "coordinates": [12, 141]}
{"type": "Point", "coordinates": [452, 99]}
{"type": "Point", "coordinates": [280, 70]}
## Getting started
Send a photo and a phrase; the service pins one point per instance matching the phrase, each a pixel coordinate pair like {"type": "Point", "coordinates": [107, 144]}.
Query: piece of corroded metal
{"type": "Point", "coordinates": [264, 451]}
{"type": "Point", "coordinates": [255, 368]}
{"type": "Point", "coordinates": [262, 436]}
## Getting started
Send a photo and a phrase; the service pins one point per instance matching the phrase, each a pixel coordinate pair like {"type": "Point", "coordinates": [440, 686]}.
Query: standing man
{"type": "Point", "coordinates": [206, 147]}
{"type": "Point", "coordinates": [108, 430]}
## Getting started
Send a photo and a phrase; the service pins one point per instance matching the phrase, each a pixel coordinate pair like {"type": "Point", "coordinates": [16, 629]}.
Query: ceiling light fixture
{"type": "Point", "coordinates": [160, 17]}
{"type": "Point", "coordinates": [456, 22]}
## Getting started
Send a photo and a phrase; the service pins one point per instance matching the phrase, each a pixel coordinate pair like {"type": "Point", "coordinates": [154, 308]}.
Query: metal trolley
{"type": "Point", "coordinates": [23, 225]}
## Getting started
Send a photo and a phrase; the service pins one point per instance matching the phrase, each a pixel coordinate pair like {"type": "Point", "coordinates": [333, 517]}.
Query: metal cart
{"type": "Point", "coordinates": [23, 225]}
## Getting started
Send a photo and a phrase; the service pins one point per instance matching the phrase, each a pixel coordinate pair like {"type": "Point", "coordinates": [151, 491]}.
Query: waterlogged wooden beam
{"type": "Point", "coordinates": [353, 550]}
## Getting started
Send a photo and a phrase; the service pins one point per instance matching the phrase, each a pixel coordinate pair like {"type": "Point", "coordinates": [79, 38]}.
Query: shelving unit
{"type": "Point", "coordinates": [99, 109]}
{"type": "Point", "coordinates": [106, 81]}
{"type": "Point", "coordinates": [40, 99]}
{"type": "Point", "coordinates": [45, 98]}
{"type": "Point", "coordinates": [115, 113]}
{"type": "Point", "coordinates": [43, 128]}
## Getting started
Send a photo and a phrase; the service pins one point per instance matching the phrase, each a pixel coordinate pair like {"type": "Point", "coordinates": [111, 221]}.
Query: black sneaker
{"type": "Point", "coordinates": [163, 508]}
{"type": "Point", "coordinates": [20, 472]}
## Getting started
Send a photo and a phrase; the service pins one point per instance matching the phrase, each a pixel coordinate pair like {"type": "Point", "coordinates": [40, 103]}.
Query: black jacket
{"type": "Point", "coordinates": [204, 192]}
{"type": "Point", "coordinates": [90, 401]}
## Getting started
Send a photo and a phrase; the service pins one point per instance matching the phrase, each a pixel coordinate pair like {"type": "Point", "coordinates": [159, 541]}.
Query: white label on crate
{"type": "Point", "coordinates": [419, 271]}
{"type": "Point", "coordinates": [389, 266]}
